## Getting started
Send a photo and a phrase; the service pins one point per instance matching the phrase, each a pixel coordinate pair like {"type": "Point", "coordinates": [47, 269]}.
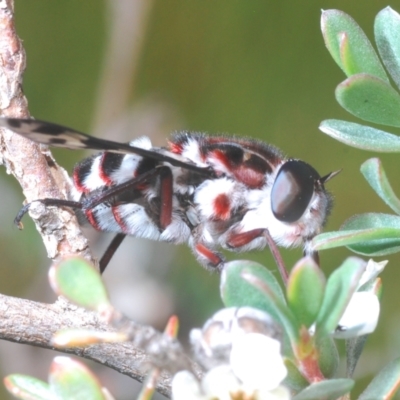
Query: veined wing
{"type": "Point", "coordinates": [59, 136]}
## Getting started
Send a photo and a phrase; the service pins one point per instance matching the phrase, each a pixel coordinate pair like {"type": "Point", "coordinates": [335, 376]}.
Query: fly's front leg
{"type": "Point", "coordinates": [237, 240]}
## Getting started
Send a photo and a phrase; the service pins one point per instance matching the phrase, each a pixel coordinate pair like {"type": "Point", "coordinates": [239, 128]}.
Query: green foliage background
{"type": "Point", "coordinates": [256, 68]}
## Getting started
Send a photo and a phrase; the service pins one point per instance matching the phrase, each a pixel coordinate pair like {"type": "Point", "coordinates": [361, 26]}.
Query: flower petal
{"type": "Point", "coordinates": [360, 317]}
{"type": "Point", "coordinates": [372, 270]}
{"type": "Point", "coordinates": [220, 382]}
{"type": "Point", "coordinates": [186, 387]}
{"type": "Point", "coordinates": [256, 360]}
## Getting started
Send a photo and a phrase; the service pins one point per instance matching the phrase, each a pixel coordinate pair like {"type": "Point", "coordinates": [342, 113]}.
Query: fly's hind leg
{"type": "Point", "coordinates": [75, 205]}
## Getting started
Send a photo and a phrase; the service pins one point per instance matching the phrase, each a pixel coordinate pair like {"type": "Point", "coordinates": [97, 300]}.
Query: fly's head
{"type": "Point", "coordinates": [299, 203]}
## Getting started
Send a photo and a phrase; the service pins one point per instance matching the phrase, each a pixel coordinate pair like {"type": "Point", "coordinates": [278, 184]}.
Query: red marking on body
{"type": "Point", "coordinates": [92, 219]}
{"type": "Point", "coordinates": [251, 178]}
{"type": "Point", "coordinates": [221, 157]}
{"type": "Point", "coordinates": [213, 258]}
{"type": "Point", "coordinates": [175, 147]}
{"type": "Point", "coordinates": [241, 239]}
{"type": "Point", "coordinates": [119, 219]}
{"type": "Point", "coordinates": [102, 173]}
{"type": "Point", "coordinates": [77, 181]}
{"type": "Point", "coordinates": [222, 207]}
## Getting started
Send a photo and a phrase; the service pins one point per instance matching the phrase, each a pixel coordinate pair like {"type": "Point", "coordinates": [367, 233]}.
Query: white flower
{"type": "Point", "coordinates": [186, 387]}
{"type": "Point", "coordinates": [212, 344]}
{"type": "Point", "coordinates": [255, 372]}
{"type": "Point", "coordinates": [256, 360]}
{"type": "Point", "coordinates": [362, 313]}
{"type": "Point", "coordinates": [360, 317]}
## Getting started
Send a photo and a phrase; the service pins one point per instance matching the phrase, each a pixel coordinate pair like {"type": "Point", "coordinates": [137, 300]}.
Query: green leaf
{"type": "Point", "coordinates": [78, 281]}
{"type": "Point", "coordinates": [70, 379]}
{"type": "Point", "coordinates": [28, 388]}
{"type": "Point", "coordinates": [305, 291]}
{"type": "Point", "coordinates": [236, 292]}
{"type": "Point", "coordinates": [370, 98]}
{"type": "Point", "coordinates": [349, 46]}
{"type": "Point", "coordinates": [361, 136]}
{"type": "Point", "coordinates": [294, 379]}
{"type": "Point", "coordinates": [375, 175]}
{"type": "Point", "coordinates": [330, 240]}
{"type": "Point", "coordinates": [340, 287]}
{"type": "Point", "coordinates": [326, 390]}
{"type": "Point", "coordinates": [384, 237]}
{"type": "Point", "coordinates": [387, 37]}
{"type": "Point", "coordinates": [354, 348]}
{"type": "Point", "coordinates": [385, 384]}
{"type": "Point", "coordinates": [328, 356]}
{"type": "Point", "coordinates": [247, 283]}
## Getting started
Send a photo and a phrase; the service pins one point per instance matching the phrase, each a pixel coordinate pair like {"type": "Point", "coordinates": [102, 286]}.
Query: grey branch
{"type": "Point", "coordinates": [32, 165]}
{"type": "Point", "coordinates": [28, 322]}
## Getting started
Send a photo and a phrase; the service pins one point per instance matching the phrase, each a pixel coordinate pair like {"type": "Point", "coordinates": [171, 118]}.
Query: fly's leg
{"type": "Point", "coordinates": [165, 193]}
{"type": "Point", "coordinates": [208, 258]}
{"type": "Point", "coordinates": [237, 240]}
{"type": "Point", "coordinates": [75, 205]}
{"type": "Point", "coordinates": [110, 251]}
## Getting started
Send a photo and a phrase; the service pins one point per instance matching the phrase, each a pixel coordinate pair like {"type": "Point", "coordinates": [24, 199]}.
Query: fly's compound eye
{"type": "Point", "coordinates": [292, 190]}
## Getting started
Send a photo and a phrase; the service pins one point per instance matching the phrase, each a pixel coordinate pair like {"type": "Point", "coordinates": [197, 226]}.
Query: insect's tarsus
{"type": "Point", "coordinates": [47, 202]}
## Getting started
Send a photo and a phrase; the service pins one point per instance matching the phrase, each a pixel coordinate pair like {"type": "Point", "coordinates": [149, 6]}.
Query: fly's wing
{"type": "Point", "coordinates": [59, 136]}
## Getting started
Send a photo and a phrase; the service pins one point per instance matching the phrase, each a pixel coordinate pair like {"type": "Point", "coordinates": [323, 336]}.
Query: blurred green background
{"type": "Point", "coordinates": [257, 68]}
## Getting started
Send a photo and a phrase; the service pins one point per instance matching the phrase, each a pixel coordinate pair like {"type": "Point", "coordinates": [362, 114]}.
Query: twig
{"type": "Point", "coordinates": [29, 322]}
{"type": "Point", "coordinates": [32, 165]}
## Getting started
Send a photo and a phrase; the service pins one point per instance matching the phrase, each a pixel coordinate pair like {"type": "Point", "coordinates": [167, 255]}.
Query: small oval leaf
{"type": "Point", "coordinates": [294, 379]}
{"type": "Point", "coordinates": [78, 281]}
{"type": "Point", "coordinates": [385, 238]}
{"type": "Point", "coordinates": [236, 292]}
{"type": "Point", "coordinates": [348, 237]}
{"type": "Point", "coordinates": [326, 390]}
{"type": "Point", "coordinates": [349, 46]}
{"type": "Point", "coordinates": [305, 291]}
{"type": "Point", "coordinates": [375, 175]}
{"type": "Point", "coordinates": [361, 136]}
{"type": "Point", "coordinates": [246, 283]}
{"type": "Point", "coordinates": [84, 337]}
{"type": "Point", "coordinates": [354, 348]}
{"type": "Point", "coordinates": [370, 98]}
{"type": "Point", "coordinates": [28, 388]}
{"type": "Point", "coordinates": [387, 37]}
{"type": "Point", "coordinates": [70, 379]}
{"type": "Point", "coordinates": [328, 356]}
